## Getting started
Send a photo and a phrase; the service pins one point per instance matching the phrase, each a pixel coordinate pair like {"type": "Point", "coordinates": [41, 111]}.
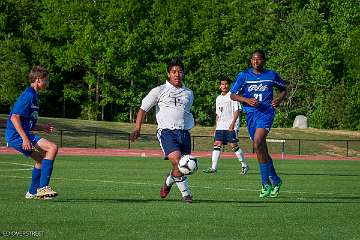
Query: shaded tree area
{"type": "Point", "coordinates": [104, 56]}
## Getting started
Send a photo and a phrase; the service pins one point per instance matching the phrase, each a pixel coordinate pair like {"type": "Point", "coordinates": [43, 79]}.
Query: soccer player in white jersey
{"type": "Point", "coordinates": [173, 102]}
{"type": "Point", "coordinates": [227, 127]}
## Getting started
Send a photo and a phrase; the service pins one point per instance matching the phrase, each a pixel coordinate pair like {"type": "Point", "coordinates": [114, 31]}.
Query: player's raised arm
{"type": "Point", "coordinates": [281, 96]}
{"type": "Point", "coordinates": [48, 128]}
{"type": "Point", "coordinates": [146, 104]}
{"type": "Point", "coordinates": [250, 101]}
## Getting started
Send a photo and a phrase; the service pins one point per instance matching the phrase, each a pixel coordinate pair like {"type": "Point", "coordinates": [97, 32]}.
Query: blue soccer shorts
{"type": "Point", "coordinates": [174, 140]}
{"type": "Point", "coordinates": [226, 136]}
{"type": "Point", "coordinates": [17, 144]}
{"type": "Point", "coordinates": [259, 119]}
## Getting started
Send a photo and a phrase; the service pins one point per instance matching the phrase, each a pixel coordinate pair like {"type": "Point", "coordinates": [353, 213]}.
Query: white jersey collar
{"type": "Point", "coordinates": [170, 85]}
{"type": "Point", "coordinates": [228, 93]}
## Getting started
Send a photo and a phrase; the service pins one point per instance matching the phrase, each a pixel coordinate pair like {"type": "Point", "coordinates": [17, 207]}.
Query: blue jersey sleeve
{"type": "Point", "coordinates": [279, 82]}
{"type": "Point", "coordinates": [239, 83]}
{"type": "Point", "coordinates": [22, 106]}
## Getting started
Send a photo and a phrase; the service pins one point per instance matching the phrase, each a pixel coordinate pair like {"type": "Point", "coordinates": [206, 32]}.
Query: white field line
{"type": "Point", "coordinates": [17, 169]}
{"type": "Point", "coordinates": [157, 184]}
{"type": "Point", "coordinates": [14, 170]}
{"type": "Point", "coordinates": [20, 164]}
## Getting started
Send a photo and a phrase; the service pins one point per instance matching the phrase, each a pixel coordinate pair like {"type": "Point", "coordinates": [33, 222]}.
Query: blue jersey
{"type": "Point", "coordinates": [259, 86]}
{"type": "Point", "coordinates": [27, 107]}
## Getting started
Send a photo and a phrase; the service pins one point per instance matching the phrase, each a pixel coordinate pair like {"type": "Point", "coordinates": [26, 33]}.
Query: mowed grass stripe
{"type": "Point", "coordinates": [157, 184]}
{"type": "Point", "coordinates": [118, 198]}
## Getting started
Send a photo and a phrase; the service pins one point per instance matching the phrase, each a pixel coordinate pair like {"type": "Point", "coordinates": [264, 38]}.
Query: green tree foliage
{"type": "Point", "coordinates": [104, 56]}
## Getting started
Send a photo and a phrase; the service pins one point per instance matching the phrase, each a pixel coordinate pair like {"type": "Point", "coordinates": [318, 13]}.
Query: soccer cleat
{"type": "Point", "coordinates": [34, 196]}
{"type": "Point", "coordinates": [244, 169]}
{"type": "Point", "coordinates": [275, 190]}
{"type": "Point", "coordinates": [209, 170]}
{"type": "Point", "coordinates": [164, 191]}
{"type": "Point", "coordinates": [46, 192]}
{"type": "Point", "coordinates": [30, 196]}
{"type": "Point", "coordinates": [187, 199]}
{"type": "Point", "coordinates": [265, 191]}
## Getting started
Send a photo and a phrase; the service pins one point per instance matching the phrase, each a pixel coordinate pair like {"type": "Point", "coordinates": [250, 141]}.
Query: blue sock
{"type": "Point", "coordinates": [272, 173]}
{"type": "Point", "coordinates": [264, 171]}
{"type": "Point", "coordinates": [46, 170]}
{"type": "Point", "coordinates": [35, 180]}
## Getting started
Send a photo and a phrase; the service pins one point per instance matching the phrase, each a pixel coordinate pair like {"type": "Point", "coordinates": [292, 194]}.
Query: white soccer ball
{"type": "Point", "coordinates": [188, 164]}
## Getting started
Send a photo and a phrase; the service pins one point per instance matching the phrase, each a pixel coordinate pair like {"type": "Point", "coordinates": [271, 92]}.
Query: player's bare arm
{"type": "Point", "coordinates": [232, 124]}
{"type": "Point", "coordinates": [212, 134]}
{"type": "Point", "coordinates": [139, 120]}
{"type": "Point", "coordinates": [250, 101]}
{"type": "Point", "coordinates": [48, 128]}
{"type": "Point", "coordinates": [276, 102]}
{"type": "Point", "coordinates": [15, 119]}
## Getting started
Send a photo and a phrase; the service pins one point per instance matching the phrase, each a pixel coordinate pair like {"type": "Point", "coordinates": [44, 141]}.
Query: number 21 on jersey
{"type": "Point", "coordinates": [258, 96]}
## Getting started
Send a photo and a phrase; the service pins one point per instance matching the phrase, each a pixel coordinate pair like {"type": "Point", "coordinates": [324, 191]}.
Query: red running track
{"type": "Point", "coordinates": [158, 153]}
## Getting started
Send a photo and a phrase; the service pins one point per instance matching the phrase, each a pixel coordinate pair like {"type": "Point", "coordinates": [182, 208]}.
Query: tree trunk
{"type": "Point", "coordinates": [89, 99]}
{"type": "Point", "coordinates": [102, 113]}
{"type": "Point", "coordinates": [97, 96]}
{"type": "Point", "coordinates": [131, 110]}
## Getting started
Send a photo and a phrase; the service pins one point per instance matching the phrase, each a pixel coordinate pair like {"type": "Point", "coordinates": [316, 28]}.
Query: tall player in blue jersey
{"type": "Point", "coordinates": [22, 120]}
{"type": "Point", "coordinates": [254, 89]}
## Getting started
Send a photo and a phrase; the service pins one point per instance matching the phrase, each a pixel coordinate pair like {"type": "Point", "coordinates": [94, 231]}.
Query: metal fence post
{"type": "Point", "coordinates": [129, 141]}
{"type": "Point", "coordinates": [95, 139]}
{"type": "Point", "coordinates": [193, 143]}
{"type": "Point", "coordinates": [61, 138]}
{"type": "Point", "coordinates": [299, 146]}
{"type": "Point", "coordinates": [347, 148]}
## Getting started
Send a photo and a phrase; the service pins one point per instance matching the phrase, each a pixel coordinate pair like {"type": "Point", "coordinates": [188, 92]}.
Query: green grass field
{"type": "Point", "coordinates": [118, 198]}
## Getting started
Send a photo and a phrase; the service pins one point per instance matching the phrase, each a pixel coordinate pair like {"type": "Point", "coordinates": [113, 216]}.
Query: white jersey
{"type": "Point", "coordinates": [172, 106]}
{"type": "Point", "coordinates": [225, 111]}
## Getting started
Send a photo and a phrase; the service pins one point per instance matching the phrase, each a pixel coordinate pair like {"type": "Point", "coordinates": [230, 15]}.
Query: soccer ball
{"type": "Point", "coordinates": [188, 164]}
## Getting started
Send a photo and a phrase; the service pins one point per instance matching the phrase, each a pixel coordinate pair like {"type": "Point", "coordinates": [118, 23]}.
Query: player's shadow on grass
{"type": "Point", "coordinates": [263, 202]}
{"type": "Point", "coordinates": [321, 174]}
{"type": "Point", "coordinates": [342, 198]}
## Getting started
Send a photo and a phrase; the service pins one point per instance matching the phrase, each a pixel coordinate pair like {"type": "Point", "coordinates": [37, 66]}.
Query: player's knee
{"type": "Point", "coordinates": [258, 144]}
{"type": "Point", "coordinates": [217, 148]}
{"type": "Point", "coordinates": [37, 164]}
{"type": "Point", "coordinates": [176, 172]}
{"type": "Point", "coordinates": [53, 148]}
{"type": "Point", "coordinates": [235, 148]}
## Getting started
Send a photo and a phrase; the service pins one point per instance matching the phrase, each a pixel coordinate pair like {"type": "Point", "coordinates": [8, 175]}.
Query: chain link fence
{"type": "Point", "coordinates": [121, 140]}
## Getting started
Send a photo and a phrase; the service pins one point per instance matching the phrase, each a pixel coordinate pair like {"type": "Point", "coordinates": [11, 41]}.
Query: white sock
{"type": "Point", "coordinates": [240, 155]}
{"type": "Point", "coordinates": [215, 157]}
{"type": "Point", "coordinates": [169, 180]}
{"type": "Point", "coordinates": [183, 185]}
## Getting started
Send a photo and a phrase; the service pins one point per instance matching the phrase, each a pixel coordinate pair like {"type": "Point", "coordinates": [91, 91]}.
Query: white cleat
{"type": "Point", "coordinates": [45, 193]}
{"type": "Point", "coordinates": [244, 169]}
{"type": "Point", "coordinates": [30, 196]}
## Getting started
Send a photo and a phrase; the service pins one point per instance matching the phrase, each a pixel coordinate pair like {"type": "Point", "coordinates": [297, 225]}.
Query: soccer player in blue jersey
{"type": "Point", "coordinates": [22, 120]}
{"type": "Point", "coordinates": [254, 89]}
{"type": "Point", "coordinates": [173, 101]}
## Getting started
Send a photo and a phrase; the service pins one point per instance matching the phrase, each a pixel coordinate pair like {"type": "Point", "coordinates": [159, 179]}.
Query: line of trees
{"type": "Point", "coordinates": [104, 56]}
